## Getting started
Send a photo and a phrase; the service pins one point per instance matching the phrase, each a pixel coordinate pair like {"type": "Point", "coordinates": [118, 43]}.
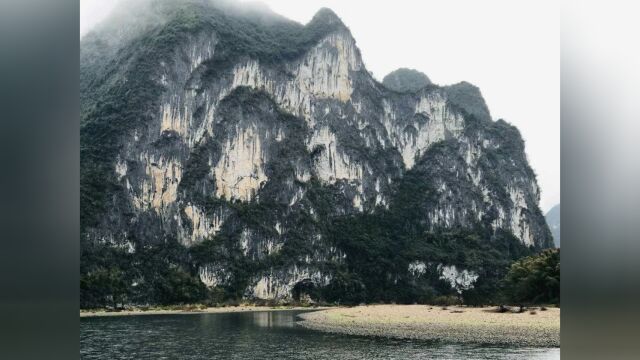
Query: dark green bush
{"type": "Point", "coordinates": [534, 279]}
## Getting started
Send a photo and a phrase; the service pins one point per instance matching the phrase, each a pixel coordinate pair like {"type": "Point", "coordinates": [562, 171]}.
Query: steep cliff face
{"type": "Point", "coordinates": [245, 136]}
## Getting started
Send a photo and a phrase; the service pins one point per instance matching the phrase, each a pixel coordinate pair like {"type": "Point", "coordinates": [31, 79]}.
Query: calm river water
{"type": "Point", "coordinates": [259, 335]}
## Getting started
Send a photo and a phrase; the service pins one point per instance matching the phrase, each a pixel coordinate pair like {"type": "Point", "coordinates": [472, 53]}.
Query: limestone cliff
{"type": "Point", "coordinates": [243, 136]}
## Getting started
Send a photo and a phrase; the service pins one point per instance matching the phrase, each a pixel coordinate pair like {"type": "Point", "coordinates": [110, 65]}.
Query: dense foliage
{"type": "Point", "coordinates": [154, 274]}
{"type": "Point", "coordinates": [535, 279]}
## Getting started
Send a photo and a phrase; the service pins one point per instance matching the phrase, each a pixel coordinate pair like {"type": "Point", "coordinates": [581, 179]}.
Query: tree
{"type": "Point", "coordinates": [104, 287]}
{"type": "Point", "coordinates": [534, 279]}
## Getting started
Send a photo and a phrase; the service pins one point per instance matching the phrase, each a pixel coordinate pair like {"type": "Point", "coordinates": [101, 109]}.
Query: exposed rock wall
{"type": "Point", "coordinates": [263, 133]}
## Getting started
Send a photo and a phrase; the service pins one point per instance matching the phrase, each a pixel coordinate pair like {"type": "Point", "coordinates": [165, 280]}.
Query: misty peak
{"type": "Point", "coordinates": [406, 80]}
{"type": "Point", "coordinates": [468, 97]}
{"type": "Point", "coordinates": [326, 16]}
{"type": "Point", "coordinates": [466, 85]}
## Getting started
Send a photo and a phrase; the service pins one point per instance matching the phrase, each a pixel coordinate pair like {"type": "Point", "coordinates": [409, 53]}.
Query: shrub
{"type": "Point", "coordinates": [448, 300]}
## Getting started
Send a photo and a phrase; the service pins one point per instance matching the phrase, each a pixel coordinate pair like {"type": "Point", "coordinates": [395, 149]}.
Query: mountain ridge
{"type": "Point", "coordinates": [242, 145]}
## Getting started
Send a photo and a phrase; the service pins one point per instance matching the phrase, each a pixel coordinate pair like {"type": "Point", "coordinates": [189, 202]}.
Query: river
{"type": "Point", "coordinates": [260, 335]}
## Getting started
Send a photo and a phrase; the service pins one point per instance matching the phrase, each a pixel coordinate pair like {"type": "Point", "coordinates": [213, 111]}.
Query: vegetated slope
{"type": "Point", "coordinates": [229, 153]}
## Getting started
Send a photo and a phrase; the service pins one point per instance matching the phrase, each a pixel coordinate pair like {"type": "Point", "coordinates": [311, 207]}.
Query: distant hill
{"type": "Point", "coordinates": [553, 220]}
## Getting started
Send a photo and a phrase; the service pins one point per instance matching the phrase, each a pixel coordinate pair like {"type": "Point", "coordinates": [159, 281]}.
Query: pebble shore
{"type": "Point", "coordinates": [534, 327]}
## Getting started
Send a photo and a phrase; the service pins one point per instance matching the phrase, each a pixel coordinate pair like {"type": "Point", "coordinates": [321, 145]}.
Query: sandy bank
{"type": "Point", "coordinates": [211, 310]}
{"type": "Point", "coordinates": [454, 325]}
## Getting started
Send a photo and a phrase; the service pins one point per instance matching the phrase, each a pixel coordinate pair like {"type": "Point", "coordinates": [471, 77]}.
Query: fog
{"type": "Point", "coordinates": [508, 49]}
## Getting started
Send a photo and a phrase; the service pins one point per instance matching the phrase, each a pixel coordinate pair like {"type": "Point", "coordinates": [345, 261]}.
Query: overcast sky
{"type": "Point", "coordinates": [510, 49]}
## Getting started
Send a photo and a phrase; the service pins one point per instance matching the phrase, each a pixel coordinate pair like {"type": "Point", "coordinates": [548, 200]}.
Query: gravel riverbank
{"type": "Point", "coordinates": [534, 327]}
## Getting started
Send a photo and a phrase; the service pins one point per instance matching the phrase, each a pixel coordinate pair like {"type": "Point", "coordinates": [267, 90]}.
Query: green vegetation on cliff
{"type": "Point", "coordinates": [367, 254]}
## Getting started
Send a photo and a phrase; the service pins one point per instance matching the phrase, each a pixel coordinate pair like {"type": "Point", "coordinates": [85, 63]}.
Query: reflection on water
{"type": "Point", "coordinates": [259, 335]}
{"type": "Point", "coordinates": [269, 319]}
